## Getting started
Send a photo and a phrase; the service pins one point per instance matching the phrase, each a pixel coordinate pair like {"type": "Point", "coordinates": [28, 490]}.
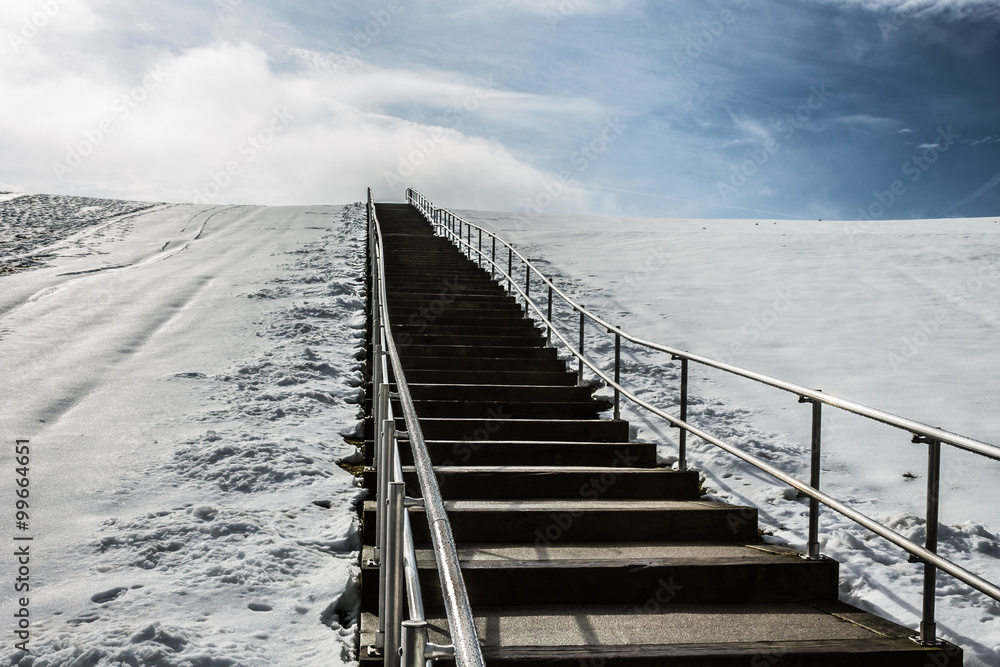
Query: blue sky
{"type": "Point", "coordinates": [834, 109]}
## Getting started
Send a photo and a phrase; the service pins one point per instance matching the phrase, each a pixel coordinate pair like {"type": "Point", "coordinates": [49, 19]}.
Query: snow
{"type": "Point", "coordinates": [186, 376]}
{"type": "Point", "coordinates": [899, 315]}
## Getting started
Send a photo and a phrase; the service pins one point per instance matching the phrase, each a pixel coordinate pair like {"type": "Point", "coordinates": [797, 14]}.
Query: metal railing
{"type": "Point", "coordinates": [404, 642]}
{"type": "Point", "coordinates": [461, 232]}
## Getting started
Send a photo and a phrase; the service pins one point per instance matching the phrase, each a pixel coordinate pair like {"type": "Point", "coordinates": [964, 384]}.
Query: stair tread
{"type": "Point", "coordinates": [620, 552]}
{"type": "Point", "coordinates": [527, 469]}
{"type": "Point", "coordinates": [583, 505]}
{"type": "Point", "coordinates": [616, 625]}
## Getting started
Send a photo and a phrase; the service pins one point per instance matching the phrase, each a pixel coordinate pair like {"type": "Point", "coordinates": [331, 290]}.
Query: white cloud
{"type": "Point", "coordinates": [563, 7]}
{"type": "Point", "coordinates": [956, 8]}
{"type": "Point", "coordinates": [206, 115]}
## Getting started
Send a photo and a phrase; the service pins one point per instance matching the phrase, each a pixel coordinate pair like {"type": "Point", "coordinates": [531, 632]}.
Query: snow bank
{"type": "Point", "coordinates": [190, 509]}
{"type": "Point", "coordinates": [899, 315]}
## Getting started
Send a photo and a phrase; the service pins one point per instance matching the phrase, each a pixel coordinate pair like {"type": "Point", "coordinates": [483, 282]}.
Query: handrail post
{"type": "Point", "coordinates": [479, 255]}
{"type": "Point", "coordinates": [383, 526]}
{"type": "Point", "coordinates": [579, 361]}
{"type": "Point", "coordinates": [928, 626]}
{"type": "Point", "coordinates": [510, 267]}
{"type": "Point", "coordinates": [377, 417]}
{"type": "Point", "coordinates": [394, 574]}
{"type": "Point", "coordinates": [548, 334]}
{"type": "Point", "coordinates": [618, 374]}
{"type": "Point", "coordinates": [468, 241]}
{"type": "Point", "coordinates": [682, 438]}
{"type": "Point", "coordinates": [815, 465]}
{"type": "Point", "coordinates": [493, 258]}
{"type": "Point", "coordinates": [527, 288]}
{"type": "Point", "coordinates": [414, 643]}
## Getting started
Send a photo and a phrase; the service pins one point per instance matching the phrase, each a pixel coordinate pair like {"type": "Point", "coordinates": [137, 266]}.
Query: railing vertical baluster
{"type": "Point", "coordinates": [618, 374]}
{"type": "Point", "coordinates": [479, 255]}
{"type": "Point", "coordinates": [527, 288]}
{"type": "Point", "coordinates": [385, 529]}
{"type": "Point", "coordinates": [377, 437]}
{"type": "Point", "coordinates": [548, 334]}
{"type": "Point", "coordinates": [682, 438]}
{"type": "Point", "coordinates": [468, 241]}
{"type": "Point", "coordinates": [510, 267]}
{"type": "Point", "coordinates": [928, 626]}
{"type": "Point", "coordinates": [493, 258]}
{"type": "Point", "coordinates": [812, 549]}
{"type": "Point", "coordinates": [579, 366]}
{"type": "Point", "coordinates": [394, 574]}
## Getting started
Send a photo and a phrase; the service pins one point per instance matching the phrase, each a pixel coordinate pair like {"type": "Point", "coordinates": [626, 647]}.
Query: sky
{"type": "Point", "coordinates": [830, 109]}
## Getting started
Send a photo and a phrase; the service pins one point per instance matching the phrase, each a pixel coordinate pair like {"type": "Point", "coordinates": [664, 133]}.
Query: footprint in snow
{"type": "Point", "coordinates": [108, 595]}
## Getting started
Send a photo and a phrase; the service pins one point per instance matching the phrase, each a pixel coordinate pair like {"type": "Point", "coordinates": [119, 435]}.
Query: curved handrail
{"type": "Point", "coordinates": [456, 599]}
{"type": "Point", "coordinates": [918, 551]}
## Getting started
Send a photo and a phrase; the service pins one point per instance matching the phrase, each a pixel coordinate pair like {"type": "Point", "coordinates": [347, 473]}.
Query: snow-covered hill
{"type": "Point", "coordinates": [29, 223]}
{"type": "Point", "coordinates": [899, 315]}
{"type": "Point", "coordinates": [186, 376]}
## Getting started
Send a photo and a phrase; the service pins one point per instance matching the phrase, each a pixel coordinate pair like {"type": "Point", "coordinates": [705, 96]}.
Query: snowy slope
{"type": "Point", "coordinates": [185, 378]}
{"type": "Point", "coordinates": [31, 225]}
{"type": "Point", "coordinates": [903, 316]}
{"type": "Point", "coordinates": [186, 375]}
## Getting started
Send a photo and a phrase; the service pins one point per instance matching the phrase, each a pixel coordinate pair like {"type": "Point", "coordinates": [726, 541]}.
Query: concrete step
{"type": "Point", "coordinates": [628, 573]}
{"type": "Point", "coordinates": [510, 410]}
{"type": "Point", "coordinates": [482, 364]}
{"type": "Point", "coordinates": [507, 393]}
{"type": "Point", "coordinates": [546, 378]}
{"type": "Point", "coordinates": [497, 306]}
{"type": "Point", "coordinates": [465, 299]}
{"type": "Point", "coordinates": [436, 328]}
{"type": "Point", "coordinates": [550, 482]}
{"type": "Point", "coordinates": [445, 291]}
{"type": "Point", "coordinates": [514, 452]}
{"type": "Point", "coordinates": [475, 319]}
{"type": "Point", "coordinates": [504, 339]}
{"type": "Point", "coordinates": [566, 430]}
{"type": "Point", "coordinates": [754, 634]}
{"type": "Point", "coordinates": [546, 522]}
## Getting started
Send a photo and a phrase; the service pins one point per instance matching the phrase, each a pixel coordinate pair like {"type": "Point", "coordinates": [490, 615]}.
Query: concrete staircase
{"type": "Point", "coordinates": [575, 548]}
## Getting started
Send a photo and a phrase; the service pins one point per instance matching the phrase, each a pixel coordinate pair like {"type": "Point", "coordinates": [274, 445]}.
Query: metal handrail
{"type": "Point", "coordinates": [444, 221]}
{"type": "Point", "coordinates": [465, 648]}
{"type": "Point", "coordinates": [917, 428]}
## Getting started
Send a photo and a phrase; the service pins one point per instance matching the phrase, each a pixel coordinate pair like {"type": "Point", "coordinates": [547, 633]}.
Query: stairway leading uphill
{"type": "Point", "coordinates": [575, 547]}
